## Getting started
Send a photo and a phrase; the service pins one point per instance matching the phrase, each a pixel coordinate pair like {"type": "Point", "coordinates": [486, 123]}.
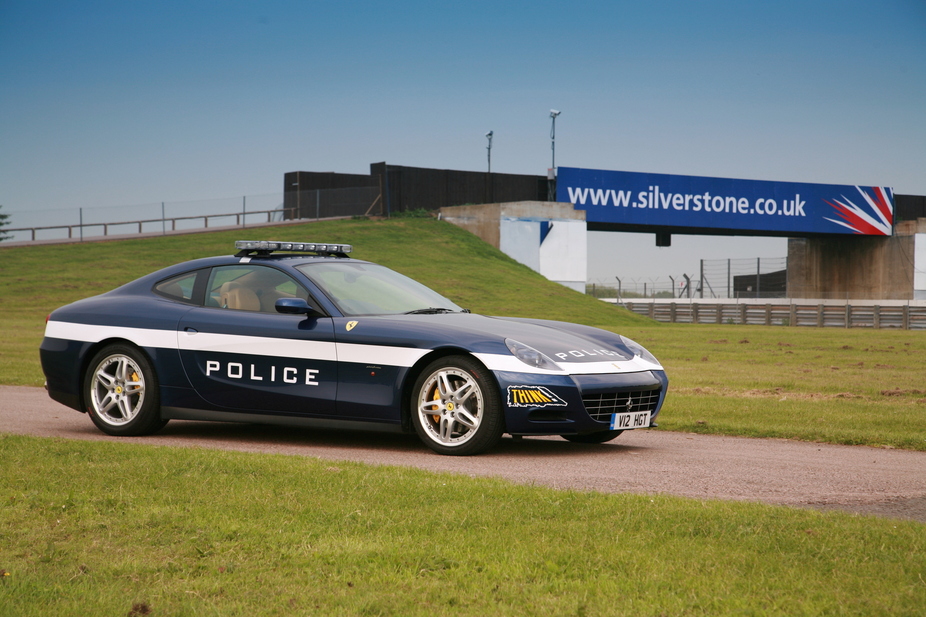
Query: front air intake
{"type": "Point", "coordinates": [601, 406]}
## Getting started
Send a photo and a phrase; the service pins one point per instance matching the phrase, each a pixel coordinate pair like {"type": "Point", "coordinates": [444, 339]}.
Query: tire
{"type": "Point", "coordinates": [121, 392]}
{"type": "Point", "coordinates": [600, 437]}
{"type": "Point", "coordinates": [456, 407]}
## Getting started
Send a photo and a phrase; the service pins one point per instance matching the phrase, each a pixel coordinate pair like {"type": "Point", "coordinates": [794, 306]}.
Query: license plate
{"type": "Point", "coordinates": [627, 421]}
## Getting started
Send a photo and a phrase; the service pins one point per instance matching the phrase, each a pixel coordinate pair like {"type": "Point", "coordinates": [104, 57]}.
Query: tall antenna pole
{"type": "Point", "coordinates": [551, 175]}
{"type": "Point", "coordinates": [553, 114]}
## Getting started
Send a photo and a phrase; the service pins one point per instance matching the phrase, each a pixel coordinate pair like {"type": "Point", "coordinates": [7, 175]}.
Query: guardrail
{"type": "Point", "coordinates": [239, 221]}
{"type": "Point", "coordinates": [909, 316]}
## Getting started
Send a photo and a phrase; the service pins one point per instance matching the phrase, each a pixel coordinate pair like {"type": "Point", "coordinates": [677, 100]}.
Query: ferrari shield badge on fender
{"type": "Point", "coordinates": [351, 325]}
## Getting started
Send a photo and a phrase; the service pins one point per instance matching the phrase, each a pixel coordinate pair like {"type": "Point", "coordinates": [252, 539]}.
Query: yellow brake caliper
{"type": "Point", "coordinates": [436, 398]}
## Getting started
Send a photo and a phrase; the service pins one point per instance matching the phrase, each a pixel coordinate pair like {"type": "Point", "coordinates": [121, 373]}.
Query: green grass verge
{"type": "Point", "coordinates": [99, 528]}
{"type": "Point", "coordinates": [814, 384]}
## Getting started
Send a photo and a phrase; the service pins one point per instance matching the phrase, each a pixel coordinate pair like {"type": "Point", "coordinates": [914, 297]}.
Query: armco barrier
{"type": "Point", "coordinates": [822, 314]}
{"type": "Point", "coordinates": [239, 217]}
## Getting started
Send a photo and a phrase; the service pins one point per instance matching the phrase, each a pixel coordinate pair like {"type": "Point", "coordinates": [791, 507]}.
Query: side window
{"type": "Point", "coordinates": [250, 288]}
{"type": "Point", "coordinates": [178, 288]}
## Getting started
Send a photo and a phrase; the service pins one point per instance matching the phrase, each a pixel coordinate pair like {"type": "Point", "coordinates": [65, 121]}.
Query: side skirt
{"type": "Point", "coordinates": [181, 413]}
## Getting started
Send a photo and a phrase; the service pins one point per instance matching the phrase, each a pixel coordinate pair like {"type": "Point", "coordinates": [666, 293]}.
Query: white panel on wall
{"type": "Point", "coordinates": [564, 252]}
{"type": "Point", "coordinates": [520, 240]}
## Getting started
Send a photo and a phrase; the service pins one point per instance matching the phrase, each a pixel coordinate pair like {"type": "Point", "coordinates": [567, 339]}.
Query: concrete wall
{"type": "Point", "coordinates": [919, 262]}
{"type": "Point", "coordinates": [483, 219]}
{"type": "Point", "coordinates": [550, 238]}
{"type": "Point", "coordinates": [859, 267]}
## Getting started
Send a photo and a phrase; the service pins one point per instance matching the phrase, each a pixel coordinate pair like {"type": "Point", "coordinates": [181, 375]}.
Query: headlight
{"type": "Point", "coordinates": [530, 356]}
{"type": "Point", "coordinates": [639, 350]}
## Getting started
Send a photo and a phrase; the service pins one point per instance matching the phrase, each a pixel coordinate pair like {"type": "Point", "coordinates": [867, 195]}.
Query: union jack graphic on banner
{"type": "Point", "coordinates": [875, 215]}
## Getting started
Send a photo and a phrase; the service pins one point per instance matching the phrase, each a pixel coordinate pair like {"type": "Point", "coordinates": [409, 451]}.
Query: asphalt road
{"type": "Point", "coordinates": [883, 482]}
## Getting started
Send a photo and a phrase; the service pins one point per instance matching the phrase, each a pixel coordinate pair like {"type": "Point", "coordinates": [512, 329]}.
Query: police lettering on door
{"type": "Point", "coordinates": [286, 374]}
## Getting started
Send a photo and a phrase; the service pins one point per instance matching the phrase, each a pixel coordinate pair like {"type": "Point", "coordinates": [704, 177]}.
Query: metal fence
{"type": "Point", "coordinates": [624, 288]}
{"type": "Point", "coordinates": [743, 278]}
{"type": "Point", "coordinates": [907, 316]}
{"type": "Point", "coordinates": [80, 223]}
{"type": "Point", "coordinates": [760, 277]}
{"type": "Point", "coordinates": [325, 203]}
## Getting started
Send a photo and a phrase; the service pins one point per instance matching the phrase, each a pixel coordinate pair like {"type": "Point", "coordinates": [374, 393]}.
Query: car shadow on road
{"type": "Point", "coordinates": [277, 437]}
{"type": "Point", "coordinates": [287, 435]}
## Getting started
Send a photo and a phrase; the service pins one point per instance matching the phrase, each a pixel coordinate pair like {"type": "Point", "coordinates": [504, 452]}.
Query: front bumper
{"type": "Point", "coordinates": [576, 404]}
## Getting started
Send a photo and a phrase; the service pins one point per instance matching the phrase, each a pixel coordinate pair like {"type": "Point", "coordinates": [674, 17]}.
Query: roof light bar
{"type": "Point", "coordinates": [268, 246]}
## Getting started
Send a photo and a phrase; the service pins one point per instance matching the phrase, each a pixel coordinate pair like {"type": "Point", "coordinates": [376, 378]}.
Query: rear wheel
{"type": "Point", "coordinates": [600, 437]}
{"type": "Point", "coordinates": [121, 392]}
{"type": "Point", "coordinates": [456, 407]}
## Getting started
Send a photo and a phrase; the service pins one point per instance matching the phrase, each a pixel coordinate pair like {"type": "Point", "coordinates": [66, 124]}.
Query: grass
{"type": "Point", "coordinates": [128, 529]}
{"type": "Point", "coordinates": [121, 529]}
{"type": "Point", "coordinates": [815, 384]}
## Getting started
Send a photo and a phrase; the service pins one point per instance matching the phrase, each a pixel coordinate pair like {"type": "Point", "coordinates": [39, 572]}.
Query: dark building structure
{"type": "Point", "coordinates": [766, 285]}
{"type": "Point", "coordinates": [395, 188]}
{"type": "Point", "coordinates": [909, 207]}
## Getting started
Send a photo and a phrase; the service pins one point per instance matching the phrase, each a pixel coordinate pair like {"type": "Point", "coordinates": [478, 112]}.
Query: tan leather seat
{"type": "Point", "coordinates": [235, 296]}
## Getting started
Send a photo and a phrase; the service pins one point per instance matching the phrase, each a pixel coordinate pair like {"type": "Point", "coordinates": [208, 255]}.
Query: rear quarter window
{"type": "Point", "coordinates": [177, 287]}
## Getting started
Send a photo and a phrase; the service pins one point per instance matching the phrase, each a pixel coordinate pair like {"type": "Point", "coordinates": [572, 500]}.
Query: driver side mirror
{"type": "Point", "coordinates": [293, 306]}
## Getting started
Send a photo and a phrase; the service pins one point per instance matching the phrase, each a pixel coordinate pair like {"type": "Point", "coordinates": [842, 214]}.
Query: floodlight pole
{"type": "Point", "coordinates": [551, 177]}
{"type": "Point", "coordinates": [489, 149]}
{"type": "Point", "coordinates": [553, 114]}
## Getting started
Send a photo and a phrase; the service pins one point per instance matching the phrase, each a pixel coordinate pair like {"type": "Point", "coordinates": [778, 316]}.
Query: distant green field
{"type": "Point", "coordinates": [830, 385]}
{"type": "Point", "coordinates": [841, 386]}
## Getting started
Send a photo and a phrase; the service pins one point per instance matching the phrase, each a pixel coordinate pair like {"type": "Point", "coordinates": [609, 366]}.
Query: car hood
{"type": "Point", "coordinates": [575, 348]}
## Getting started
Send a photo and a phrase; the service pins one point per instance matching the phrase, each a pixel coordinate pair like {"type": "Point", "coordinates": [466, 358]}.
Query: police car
{"type": "Point", "coordinates": [301, 334]}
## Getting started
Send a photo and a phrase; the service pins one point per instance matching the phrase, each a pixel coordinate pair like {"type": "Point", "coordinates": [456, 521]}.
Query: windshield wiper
{"type": "Point", "coordinates": [430, 311]}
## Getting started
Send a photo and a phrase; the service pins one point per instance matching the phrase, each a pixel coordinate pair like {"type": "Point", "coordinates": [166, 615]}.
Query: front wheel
{"type": "Point", "coordinates": [600, 437]}
{"type": "Point", "coordinates": [456, 407]}
{"type": "Point", "coordinates": [121, 392]}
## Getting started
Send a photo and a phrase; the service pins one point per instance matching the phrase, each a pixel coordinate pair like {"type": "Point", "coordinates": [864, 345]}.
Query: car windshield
{"type": "Point", "coordinates": [371, 289]}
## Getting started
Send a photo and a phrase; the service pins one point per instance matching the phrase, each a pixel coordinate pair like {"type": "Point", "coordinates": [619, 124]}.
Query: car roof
{"type": "Point", "coordinates": [287, 259]}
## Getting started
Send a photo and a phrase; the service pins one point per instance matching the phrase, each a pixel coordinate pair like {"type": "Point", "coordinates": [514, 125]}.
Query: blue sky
{"type": "Point", "coordinates": [121, 103]}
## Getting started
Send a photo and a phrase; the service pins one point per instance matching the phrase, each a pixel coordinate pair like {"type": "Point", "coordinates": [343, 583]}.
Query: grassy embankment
{"type": "Point", "coordinates": [124, 528]}
{"type": "Point", "coordinates": [840, 386]}
{"type": "Point", "coordinates": [36, 280]}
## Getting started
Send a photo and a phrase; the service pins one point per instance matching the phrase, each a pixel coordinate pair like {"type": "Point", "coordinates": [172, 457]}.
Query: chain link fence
{"type": "Point", "coordinates": [744, 278]}
{"type": "Point", "coordinates": [716, 278]}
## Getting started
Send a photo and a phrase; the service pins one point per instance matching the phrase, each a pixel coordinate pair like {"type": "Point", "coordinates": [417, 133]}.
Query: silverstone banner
{"type": "Point", "coordinates": [750, 205]}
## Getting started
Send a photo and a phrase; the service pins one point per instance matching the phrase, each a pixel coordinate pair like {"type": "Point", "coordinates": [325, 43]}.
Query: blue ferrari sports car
{"type": "Point", "coordinates": [301, 334]}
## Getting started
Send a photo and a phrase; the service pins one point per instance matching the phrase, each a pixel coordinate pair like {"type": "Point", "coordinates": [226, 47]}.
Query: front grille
{"type": "Point", "coordinates": [601, 406]}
